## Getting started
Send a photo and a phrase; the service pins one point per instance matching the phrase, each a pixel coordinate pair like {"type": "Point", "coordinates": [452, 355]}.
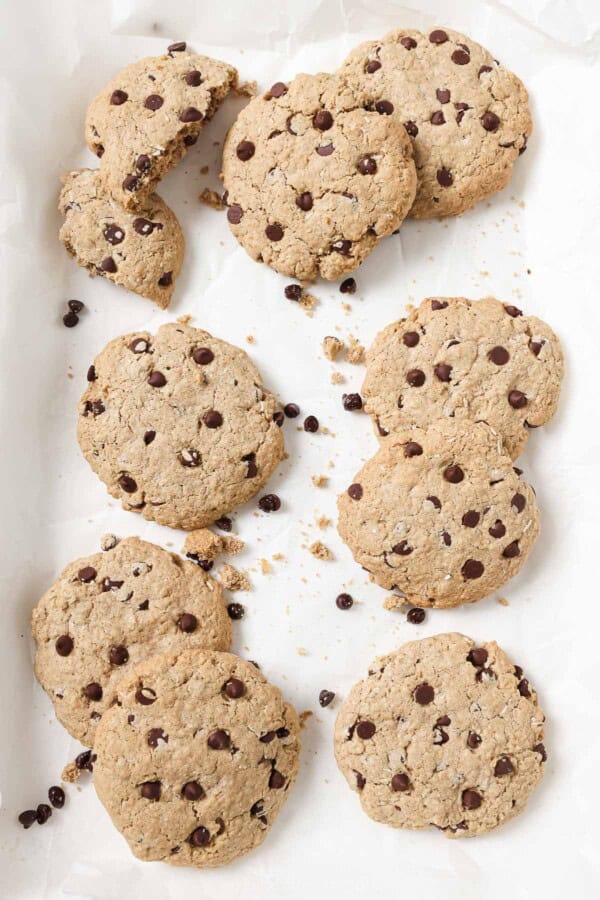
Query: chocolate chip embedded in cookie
{"type": "Point", "coordinates": [142, 251]}
{"type": "Point", "coordinates": [109, 611]}
{"type": "Point", "coordinates": [480, 360]}
{"type": "Point", "coordinates": [178, 425]}
{"type": "Point", "coordinates": [210, 762]}
{"type": "Point", "coordinates": [467, 116]}
{"type": "Point", "coordinates": [440, 514]}
{"type": "Point", "coordinates": [314, 180]}
{"type": "Point", "coordinates": [143, 122]}
{"type": "Point", "coordinates": [442, 734]}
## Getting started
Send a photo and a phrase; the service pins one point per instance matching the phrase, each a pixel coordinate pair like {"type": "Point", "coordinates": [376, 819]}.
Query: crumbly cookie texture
{"type": "Point", "coordinates": [444, 732]}
{"type": "Point", "coordinates": [142, 251]}
{"type": "Point", "coordinates": [468, 117]}
{"type": "Point", "coordinates": [143, 122]}
{"type": "Point", "coordinates": [109, 611]}
{"type": "Point", "coordinates": [468, 359]}
{"type": "Point", "coordinates": [440, 514]}
{"type": "Point", "coordinates": [314, 180]}
{"type": "Point", "coordinates": [178, 425]}
{"type": "Point", "coordinates": [204, 544]}
{"type": "Point", "coordinates": [198, 776]}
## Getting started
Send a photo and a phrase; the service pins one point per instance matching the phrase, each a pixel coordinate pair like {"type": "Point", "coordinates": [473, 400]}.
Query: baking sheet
{"type": "Point", "coordinates": [535, 245]}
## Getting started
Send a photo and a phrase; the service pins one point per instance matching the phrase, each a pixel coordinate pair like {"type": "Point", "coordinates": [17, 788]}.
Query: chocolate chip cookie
{"type": "Point", "coordinates": [314, 180]}
{"type": "Point", "coordinates": [143, 122]}
{"type": "Point", "coordinates": [109, 611]}
{"type": "Point", "coordinates": [440, 514]}
{"type": "Point", "coordinates": [178, 425]}
{"type": "Point", "coordinates": [142, 251]}
{"type": "Point", "coordinates": [480, 360]}
{"type": "Point", "coordinates": [444, 732]}
{"type": "Point", "coordinates": [468, 117]}
{"type": "Point", "coordinates": [197, 776]}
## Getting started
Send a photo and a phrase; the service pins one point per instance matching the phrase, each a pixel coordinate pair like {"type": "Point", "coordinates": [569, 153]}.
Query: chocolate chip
{"type": "Point", "coordinates": [523, 688]}
{"type": "Point", "coordinates": [536, 346]}
{"type": "Point", "coordinates": [472, 568]}
{"type": "Point", "coordinates": [471, 519]}
{"type": "Point", "coordinates": [93, 691]}
{"type": "Point", "coordinates": [342, 246]}
{"type": "Point", "coordinates": [539, 748]}
{"type": "Point", "coordinates": [156, 379]}
{"type": "Point", "coordinates": [305, 201]}
{"type": "Point", "coordinates": [212, 419]}
{"type": "Point", "coordinates": [95, 407]}
{"type": "Point", "coordinates": [91, 373]}
{"type": "Point", "coordinates": [190, 114]}
{"type": "Point", "coordinates": [410, 339]}
{"type": "Point", "coordinates": [278, 89]}
{"type": "Point", "coordinates": [177, 47]}
{"type": "Point", "coordinates": [355, 491]}
{"type": "Point", "coordinates": [442, 372]}
{"type": "Point", "coordinates": [85, 761]}
{"type": "Point", "coordinates": [443, 95]}
{"type": "Point", "coordinates": [436, 501]}
{"type": "Point", "coordinates": [28, 818]}
{"type": "Point", "coordinates": [490, 121]}
{"type": "Point", "coordinates": [513, 311]}
{"type": "Point", "coordinates": [131, 183]}
{"type": "Point", "coordinates": [269, 503]}
{"type": "Point", "coordinates": [190, 458]}
{"type": "Point", "coordinates": [325, 698]}
{"type": "Point", "coordinates": [281, 732]}
{"type": "Point", "coordinates": [199, 837]}
{"type": "Point", "coordinates": [311, 424]}
{"type": "Point", "coordinates": [56, 796]}
{"type": "Point", "coordinates": [187, 622]}
{"type": "Point", "coordinates": [415, 616]}
{"type": "Point", "coordinates": [400, 782]}
{"type": "Point", "coordinates": [461, 57]}
{"type": "Point", "coordinates": [471, 799]}
{"type": "Point", "coordinates": [477, 656]}
{"type": "Point", "coordinates": [153, 102]}
{"type": "Point", "coordinates": [498, 529]}
{"type": "Point", "coordinates": [351, 402]}
{"type": "Point", "coordinates": [438, 118]}
{"type": "Point", "coordinates": [117, 98]}
{"type": "Point", "coordinates": [245, 150]}
{"type": "Point", "coordinates": [518, 502]}
{"type": "Point", "coordinates": [118, 655]}
{"type": "Point", "coordinates": [64, 645]}
{"type": "Point", "coordinates": [274, 231]}
{"type": "Point", "coordinates": [291, 410]}
{"type": "Point", "coordinates": [235, 611]}
{"type": "Point", "coordinates": [473, 740]}
{"type": "Point", "coordinates": [424, 694]}
{"type": "Point", "coordinates": [444, 177]}
{"type": "Point", "coordinates": [143, 163]}
{"type": "Point", "coordinates": [108, 264]}
{"type": "Point", "coordinates": [149, 437]}
{"type": "Point", "coordinates": [503, 767]}
{"type": "Point", "coordinates": [517, 399]}
{"type": "Point", "coordinates": [293, 291]}
{"type": "Point", "coordinates": [139, 345]}
{"type": "Point", "coordinates": [145, 226]}
{"type": "Point", "coordinates": [235, 214]}
{"type": "Point", "coordinates": [114, 234]}
{"type": "Point", "coordinates": [166, 279]}
{"type": "Point", "coordinates": [512, 550]}
{"type": "Point", "coordinates": [365, 730]}
{"type": "Point", "coordinates": [150, 790]}
{"type": "Point", "coordinates": [234, 688]}
{"type": "Point", "coordinates": [412, 449]}
{"type": "Point", "coordinates": [276, 780]}
{"type": "Point", "coordinates": [411, 128]}
{"type": "Point", "coordinates": [224, 523]}
{"type": "Point", "coordinates": [415, 377]}
{"type": "Point", "coordinates": [372, 66]}
{"type": "Point", "coordinates": [87, 574]}
{"type": "Point", "coordinates": [218, 740]}
{"type": "Point", "coordinates": [367, 165]}
{"type": "Point", "coordinates": [325, 150]}
{"type": "Point", "coordinates": [402, 549]}
{"type": "Point", "coordinates": [192, 790]}
{"type": "Point", "coordinates": [446, 539]}
{"type": "Point", "coordinates": [145, 696]}
{"type": "Point", "coordinates": [438, 36]}
{"type": "Point", "coordinates": [483, 70]}
{"type": "Point", "coordinates": [454, 474]}
{"type": "Point", "coordinates": [127, 484]}
{"type": "Point", "coordinates": [193, 78]}
{"type": "Point", "coordinates": [323, 120]}
{"type": "Point", "coordinates": [499, 356]}
{"type": "Point", "coordinates": [343, 601]}
{"type": "Point", "coordinates": [43, 813]}
{"type": "Point", "coordinates": [203, 356]}
{"type": "Point", "coordinates": [438, 304]}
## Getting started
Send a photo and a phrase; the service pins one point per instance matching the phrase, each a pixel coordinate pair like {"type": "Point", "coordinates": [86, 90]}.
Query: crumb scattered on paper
{"type": "Point", "coordinates": [319, 480]}
{"type": "Point", "coordinates": [332, 346]}
{"type": "Point", "coordinates": [304, 716]}
{"type": "Point", "coordinates": [308, 302]}
{"type": "Point", "coordinates": [265, 567]}
{"type": "Point", "coordinates": [185, 319]}
{"type": "Point", "coordinates": [70, 773]}
{"type": "Point", "coordinates": [337, 378]}
{"type": "Point", "coordinates": [320, 551]}
{"type": "Point", "coordinates": [503, 601]}
{"type": "Point", "coordinates": [108, 541]}
{"type": "Point", "coordinates": [355, 353]}
{"type": "Point", "coordinates": [393, 601]}
{"type": "Point", "coordinates": [323, 522]}
{"type": "Point", "coordinates": [250, 339]}
{"type": "Point", "coordinates": [211, 198]}
{"type": "Point", "coordinates": [233, 579]}
{"type": "Point", "coordinates": [206, 545]}
{"type": "Point", "coordinates": [301, 651]}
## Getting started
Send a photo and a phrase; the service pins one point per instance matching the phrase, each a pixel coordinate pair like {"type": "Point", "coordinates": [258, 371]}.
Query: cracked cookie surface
{"type": "Point", "coordinates": [443, 732]}
{"type": "Point", "coordinates": [468, 117]}
{"type": "Point", "coordinates": [145, 119]}
{"type": "Point", "coordinates": [480, 360]}
{"type": "Point", "coordinates": [142, 250]}
{"type": "Point", "coordinates": [178, 425]}
{"type": "Point", "coordinates": [440, 514]}
{"type": "Point", "coordinates": [198, 777]}
{"type": "Point", "coordinates": [107, 612]}
{"type": "Point", "coordinates": [314, 180]}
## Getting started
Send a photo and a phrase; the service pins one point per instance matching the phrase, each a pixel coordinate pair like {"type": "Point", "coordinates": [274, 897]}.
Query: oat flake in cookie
{"type": "Point", "coordinates": [440, 514]}
{"type": "Point", "coordinates": [109, 611]}
{"type": "Point", "coordinates": [178, 425]}
{"type": "Point", "coordinates": [142, 250]}
{"type": "Point", "coordinates": [143, 122]}
{"type": "Point", "coordinates": [445, 733]}
{"type": "Point", "coordinates": [314, 180]}
{"type": "Point", "coordinates": [198, 777]}
{"type": "Point", "coordinates": [480, 360]}
{"type": "Point", "coordinates": [468, 117]}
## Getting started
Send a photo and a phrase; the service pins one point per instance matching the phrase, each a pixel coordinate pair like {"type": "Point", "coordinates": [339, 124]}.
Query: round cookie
{"type": "Point", "coordinates": [313, 180]}
{"type": "Point", "coordinates": [143, 122]}
{"type": "Point", "coordinates": [468, 117]}
{"type": "Point", "coordinates": [178, 425]}
{"type": "Point", "coordinates": [197, 777]}
{"type": "Point", "coordinates": [143, 251]}
{"type": "Point", "coordinates": [109, 611]}
{"type": "Point", "coordinates": [480, 360]}
{"type": "Point", "coordinates": [440, 514]}
{"type": "Point", "coordinates": [443, 733]}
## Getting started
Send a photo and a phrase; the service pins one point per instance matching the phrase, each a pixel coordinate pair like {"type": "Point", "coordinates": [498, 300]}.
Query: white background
{"type": "Point", "coordinates": [54, 56]}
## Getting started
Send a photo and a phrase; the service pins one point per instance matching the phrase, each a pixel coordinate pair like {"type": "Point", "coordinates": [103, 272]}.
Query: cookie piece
{"type": "Point", "coordinates": [198, 777]}
{"type": "Point", "coordinates": [480, 360]}
{"type": "Point", "coordinates": [143, 251]}
{"type": "Point", "coordinates": [178, 425]}
{"type": "Point", "coordinates": [444, 733]}
{"type": "Point", "coordinates": [468, 117]}
{"type": "Point", "coordinates": [109, 611]}
{"type": "Point", "coordinates": [143, 122]}
{"type": "Point", "coordinates": [313, 180]}
{"type": "Point", "coordinates": [440, 514]}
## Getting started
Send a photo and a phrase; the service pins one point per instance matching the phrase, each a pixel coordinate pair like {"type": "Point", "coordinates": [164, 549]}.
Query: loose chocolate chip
{"type": "Point", "coordinates": [108, 264]}
{"type": "Point", "coordinates": [472, 568]}
{"type": "Point", "coordinates": [438, 36]}
{"type": "Point", "coordinates": [64, 645]}
{"type": "Point", "coordinates": [150, 790]}
{"type": "Point", "coordinates": [442, 372]}
{"type": "Point", "coordinates": [193, 78]}
{"type": "Point", "coordinates": [323, 120]}
{"type": "Point", "coordinates": [145, 696]}
{"type": "Point", "coordinates": [218, 740]}
{"type": "Point", "coordinates": [483, 70]}
{"type": "Point", "coordinates": [490, 121]}
{"type": "Point", "coordinates": [203, 356]}
{"type": "Point", "coordinates": [325, 150]}
{"type": "Point", "coordinates": [518, 502]}
{"type": "Point", "coordinates": [513, 311]}
{"type": "Point", "coordinates": [43, 813]}
{"type": "Point", "coordinates": [311, 424]}
{"type": "Point", "coordinates": [438, 118]}
{"type": "Point", "coordinates": [365, 730]}
{"type": "Point", "coordinates": [224, 523]}
{"type": "Point", "coordinates": [156, 379]}
{"type": "Point", "coordinates": [512, 550]}
{"type": "Point", "coordinates": [402, 549]}
{"type": "Point", "coordinates": [127, 484]}
{"type": "Point", "coordinates": [187, 622]}
{"type": "Point", "coordinates": [352, 402]}
{"type": "Point", "coordinates": [503, 767]}
{"type": "Point", "coordinates": [28, 818]}
{"type": "Point", "coordinates": [423, 694]}
{"type": "Point", "coordinates": [415, 377]}
{"type": "Point", "coordinates": [342, 246]}
{"type": "Point", "coordinates": [517, 399]}
{"type": "Point", "coordinates": [415, 616]}
{"type": "Point", "coordinates": [436, 501]}
{"type": "Point", "coordinates": [444, 177]}
{"type": "Point", "coordinates": [274, 231]}
{"type": "Point", "coordinates": [245, 150]}
{"type": "Point", "coordinates": [471, 799]}
{"type": "Point", "coordinates": [91, 373]}
{"type": "Point", "coordinates": [118, 655]}
{"type": "Point", "coordinates": [498, 529]}
{"type": "Point", "coordinates": [276, 780]}
{"type": "Point", "coordinates": [443, 95]}
{"type": "Point", "coordinates": [372, 66]}
{"type": "Point", "coordinates": [461, 57]}
{"type": "Point", "coordinates": [87, 574]}
{"type": "Point", "coordinates": [292, 410]}
{"type": "Point", "coordinates": [367, 165]}
{"type": "Point", "coordinates": [400, 782]}
{"type": "Point", "coordinates": [131, 183]}
{"type": "Point", "coordinates": [149, 437]}
{"type": "Point", "coordinates": [190, 114]}
{"type": "Point", "coordinates": [454, 474]}
{"type": "Point", "coordinates": [199, 837]}
{"type": "Point", "coordinates": [355, 491]}
{"type": "Point", "coordinates": [93, 691]}
{"type": "Point", "coordinates": [166, 279]}
{"type": "Point", "coordinates": [192, 790]}
{"type": "Point", "coordinates": [523, 688]}
{"type": "Point", "coordinates": [325, 698]}
{"type": "Point", "coordinates": [153, 102]}
{"type": "Point", "coordinates": [411, 128]}
{"type": "Point", "coordinates": [234, 688]}
{"type": "Point", "coordinates": [499, 356]}
{"type": "Point", "coordinates": [477, 656]}
{"type": "Point", "coordinates": [117, 98]}
{"type": "Point", "coordinates": [473, 740]}
{"type": "Point", "coordinates": [177, 47]}
{"type": "Point", "coordinates": [269, 503]}
{"type": "Point", "coordinates": [235, 214]}
{"type": "Point", "coordinates": [85, 761]}
{"type": "Point", "coordinates": [75, 306]}
{"type": "Point", "coordinates": [412, 449]}
{"type": "Point", "coordinates": [235, 611]}
{"type": "Point", "coordinates": [471, 519]}
{"type": "Point", "coordinates": [56, 796]}
{"type": "Point", "coordinates": [539, 748]}
{"type": "Point", "coordinates": [293, 291]}
{"type": "Point", "coordinates": [343, 601]}
{"type": "Point", "coordinates": [212, 419]}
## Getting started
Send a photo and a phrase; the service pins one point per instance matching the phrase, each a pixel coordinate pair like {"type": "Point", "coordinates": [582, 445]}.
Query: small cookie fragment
{"type": "Point", "coordinates": [355, 353]}
{"type": "Point", "coordinates": [142, 251]}
{"type": "Point", "coordinates": [320, 551]}
{"type": "Point", "coordinates": [332, 347]}
{"type": "Point", "coordinates": [212, 199]}
{"type": "Point", "coordinates": [443, 733]}
{"type": "Point", "coordinates": [204, 544]}
{"type": "Point", "coordinates": [209, 764]}
{"type": "Point", "coordinates": [232, 579]}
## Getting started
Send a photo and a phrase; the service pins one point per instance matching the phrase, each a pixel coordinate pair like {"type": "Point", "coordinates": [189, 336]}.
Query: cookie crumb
{"type": "Point", "coordinates": [265, 567]}
{"type": "Point", "coordinates": [337, 378]}
{"type": "Point", "coordinates": [320, 551]}
{"type": "Point", "coordinates": [393, 601]}
{"type": "Point", "coordinates": [308, 302]}
{"type": "Point", "coordinates": [185, 319]}
{"type": "Point", "coordinates": [355, 354]}
{"type": "Point", "coordinates": [319, 480]}
{"type": "Point", "coordinates": [332, 346]}
{"type": "Point", "coordinates": [70, 773]}
{"type": "Point", "coordinates": [232, 579]}
{"type": "Point", "coordinates": [211, 198]}
{"type": "Point", "coordinates": [304, 716]}
{"type": "Point", "coordinates": [247, 89]}
{"type": "Point", "coordinates": [250, 339]}
{"type": "Point", "coordinates": [278, 556]}
{"type": "Point", "coordinates": [503, 601]}
{"type": "Point", "coordinates": [323, 522]}
{"type": "Point", "coordinates": [204, 544]}
{"type": "Point", "coordinates": [108, 541]}
{"type": "Point", "coordinates": [204, 170]}
{"type": "Point", "coordinates": [301, 651]}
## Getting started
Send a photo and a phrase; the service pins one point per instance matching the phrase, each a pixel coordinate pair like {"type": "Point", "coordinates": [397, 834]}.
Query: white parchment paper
{"type": "Point", "coordinates": [535, 245]}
